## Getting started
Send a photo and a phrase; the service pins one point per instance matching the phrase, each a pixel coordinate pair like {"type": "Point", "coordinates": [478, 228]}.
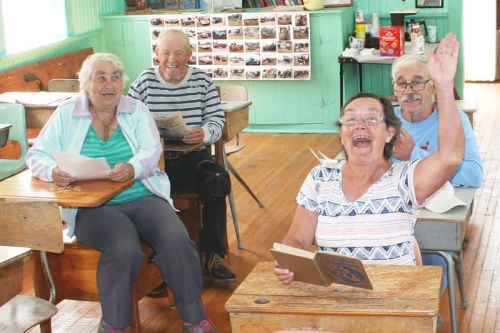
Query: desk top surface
{"type": "Point", "coordinates": [10, 254]}
{"type": "Point", "coordinates": [37, 98]}
{"type": "Point", "coordinates": [229, 106]}
{"type": "Point", "coordinates": [396, 289]}
{"type": "Point", "coordinates": [54, 99]}
{"type": "Point", "coordinates": [87, 193]}
{"type": "Point", "coordinates": [377, 59]}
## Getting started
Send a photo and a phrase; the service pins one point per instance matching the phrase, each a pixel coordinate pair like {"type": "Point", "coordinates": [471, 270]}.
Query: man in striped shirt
{"type": "Point", "coordinates": [174, 86]}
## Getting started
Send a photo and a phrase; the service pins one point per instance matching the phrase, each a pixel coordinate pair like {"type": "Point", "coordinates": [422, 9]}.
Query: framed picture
{"type": "Point", "coordinates": [338, 3]}
{"type": "Point", "coordinates": [429, 3]}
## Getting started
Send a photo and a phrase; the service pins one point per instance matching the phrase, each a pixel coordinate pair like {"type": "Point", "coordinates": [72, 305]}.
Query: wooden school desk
{"type": "Point", "coordinates": [444, 233]}
{"type": "Point", "coordinates": [39, 105]}
{"type": "Point", "coordinates": [29, 199]}
{"type": "Point", "coordinates": [403, 299]}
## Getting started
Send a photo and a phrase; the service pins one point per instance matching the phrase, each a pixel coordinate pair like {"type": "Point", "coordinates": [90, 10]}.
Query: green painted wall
{"type": "Point", "coordinates": [278, 106]}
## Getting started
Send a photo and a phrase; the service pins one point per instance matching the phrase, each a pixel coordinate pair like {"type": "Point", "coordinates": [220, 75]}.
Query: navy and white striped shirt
{"type": "Point", "coordinates": [195, 97]}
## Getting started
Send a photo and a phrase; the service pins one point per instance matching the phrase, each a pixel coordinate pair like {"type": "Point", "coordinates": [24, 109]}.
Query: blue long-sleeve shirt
{"type": "Point", "coordinates": [425, 135]}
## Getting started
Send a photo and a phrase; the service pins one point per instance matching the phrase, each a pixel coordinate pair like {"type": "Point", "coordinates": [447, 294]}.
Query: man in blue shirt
{"type": "Point", "coordinates": [418, 114]}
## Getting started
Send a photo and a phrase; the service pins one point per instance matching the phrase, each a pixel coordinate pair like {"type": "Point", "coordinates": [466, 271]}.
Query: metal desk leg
{"type": "Point", "coordinates": [49, 277]}
{"type": "Point", "coordinates": [232, 205]}
{"type": "Point", "coordinates": [458, 261]}
{"type": "Point", "coordinates": [450, 263]}
{"type": "Point", "coordinates": [244, 184]}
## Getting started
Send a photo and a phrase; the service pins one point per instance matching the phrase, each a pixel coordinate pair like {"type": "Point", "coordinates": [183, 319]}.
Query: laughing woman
{"type": "Point", "coordinates": [103, 123]}
{"type": "Point", "coordinates": [366, 207]}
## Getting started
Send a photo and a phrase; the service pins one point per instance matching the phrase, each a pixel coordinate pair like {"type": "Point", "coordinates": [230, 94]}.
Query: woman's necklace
{"type": "Point", "coordinates": [106, 126]}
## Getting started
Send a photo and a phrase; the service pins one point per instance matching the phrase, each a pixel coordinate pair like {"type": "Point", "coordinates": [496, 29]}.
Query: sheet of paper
{"type": "Point", "coordinates": [173, 125]}
{"type": "Point", "coordinates": [37, 98]}
{"type": "Point", "coordinates": [82, 167]}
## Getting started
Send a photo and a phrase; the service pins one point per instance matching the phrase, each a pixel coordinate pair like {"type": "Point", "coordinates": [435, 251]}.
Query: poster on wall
{"type": "Point", "coordinates": [244, 46]}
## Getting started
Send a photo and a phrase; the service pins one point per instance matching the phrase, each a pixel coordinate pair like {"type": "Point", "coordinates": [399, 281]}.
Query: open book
{"type": "Point", "coordinates": [172, 126]}
{"type": "Point", "coordinates": [321, 268]}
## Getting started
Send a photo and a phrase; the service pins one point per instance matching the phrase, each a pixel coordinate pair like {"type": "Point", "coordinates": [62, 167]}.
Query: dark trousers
{"type": "Point", "coordinates": [182, 173]}
{"type": "Point", "coordinates": [116, 231]}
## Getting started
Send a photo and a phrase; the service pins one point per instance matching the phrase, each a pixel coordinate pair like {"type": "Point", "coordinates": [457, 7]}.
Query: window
{"type": "Point", "coordinates": [32, 23]}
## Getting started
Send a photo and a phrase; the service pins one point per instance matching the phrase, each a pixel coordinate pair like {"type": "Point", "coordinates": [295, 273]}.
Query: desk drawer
{"type": "Point", "coordinates": [441, 236]}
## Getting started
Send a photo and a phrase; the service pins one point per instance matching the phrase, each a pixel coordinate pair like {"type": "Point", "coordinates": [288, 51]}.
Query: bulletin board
{"type": "Point", "coordinates": [244, 46]}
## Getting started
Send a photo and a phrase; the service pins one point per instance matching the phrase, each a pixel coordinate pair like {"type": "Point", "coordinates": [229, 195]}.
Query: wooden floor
{"type": "Point", "coordinates": [274, 165]}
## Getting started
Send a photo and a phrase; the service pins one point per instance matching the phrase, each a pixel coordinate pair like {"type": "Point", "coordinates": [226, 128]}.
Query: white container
{"type": "Point", "coordinates": [432, 33]}
{"type": "Point", "coordinates": [417, 39]}
{"type": "Point", "coordinates": [375, 24]}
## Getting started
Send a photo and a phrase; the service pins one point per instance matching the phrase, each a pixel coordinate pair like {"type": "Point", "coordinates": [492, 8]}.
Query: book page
{"type": "Point", "coordinates": [343, 270]}
{"type": "Point", "coordinates": [171, 125]}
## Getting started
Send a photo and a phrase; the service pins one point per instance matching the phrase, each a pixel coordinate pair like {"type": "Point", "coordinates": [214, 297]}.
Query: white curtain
{"type": "Point", "coordinates": [32, 23]}
{"type": "Point", "coordinates": [480, 39]}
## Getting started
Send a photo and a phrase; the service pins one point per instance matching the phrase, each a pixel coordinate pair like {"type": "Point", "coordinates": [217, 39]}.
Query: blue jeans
{"type": "Point", "coordinates": [430, 259]}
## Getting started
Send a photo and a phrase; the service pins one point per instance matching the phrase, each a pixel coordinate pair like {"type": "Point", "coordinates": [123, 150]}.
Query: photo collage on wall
{"type": "Point", "coordinates": [244, 46]}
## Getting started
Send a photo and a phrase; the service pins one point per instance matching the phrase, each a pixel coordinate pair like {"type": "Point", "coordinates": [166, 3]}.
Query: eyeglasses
{"type": "Point", "coordinates": [367, 119]}
{"type": "Point", "coordinates": [414, 85]}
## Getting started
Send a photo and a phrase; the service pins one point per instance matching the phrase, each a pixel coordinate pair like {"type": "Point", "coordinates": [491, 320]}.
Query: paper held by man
{"type": "Point", "coordinates": [171, 125]}
{"type": "Point", "coordinates": [321, 268]}
{"type": "Point", "coordinates": [82, 167]}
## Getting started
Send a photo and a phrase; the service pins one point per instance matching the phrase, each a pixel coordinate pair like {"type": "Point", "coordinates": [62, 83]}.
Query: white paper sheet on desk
{"type": "Point", "coordinates": [82, 167]}
{"type": "Point", "coordinates": [37, 98]}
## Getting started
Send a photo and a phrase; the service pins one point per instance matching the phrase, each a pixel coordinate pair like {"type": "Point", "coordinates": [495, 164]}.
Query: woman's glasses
{"type": "Point", "coordinates": [367, 119]}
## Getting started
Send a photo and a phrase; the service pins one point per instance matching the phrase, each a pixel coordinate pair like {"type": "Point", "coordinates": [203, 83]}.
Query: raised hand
{"type": "Point", "coordinates": [443, 63]}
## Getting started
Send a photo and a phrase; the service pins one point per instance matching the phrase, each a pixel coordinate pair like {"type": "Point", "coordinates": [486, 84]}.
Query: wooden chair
{"type": "Point", "coordinates": [64, 85]}
{"type": "Point", "coordinates": [74, 272]}
{"type": "Point", "coordinates": [34, 225]}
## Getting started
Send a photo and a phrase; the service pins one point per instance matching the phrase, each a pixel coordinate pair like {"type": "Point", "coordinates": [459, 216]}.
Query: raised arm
{"type": "Point", "coordinates": [433, 171]}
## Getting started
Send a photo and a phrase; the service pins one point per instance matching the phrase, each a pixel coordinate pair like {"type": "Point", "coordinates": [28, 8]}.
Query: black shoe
{"type": "Point", "coordinates": [159, 291]}
{"type": "Point", "coordinates": [218, 269]}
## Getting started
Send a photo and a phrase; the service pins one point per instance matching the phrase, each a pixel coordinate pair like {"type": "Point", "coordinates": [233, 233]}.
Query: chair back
{"type": "Point", "coordinates": [64, 85]}
{"type": "Point", "coordinates": [33, 224]}
{"type": "Point", "coordinates": [233, 93]}
{"type": "Point", "coordinates": [15, 115]}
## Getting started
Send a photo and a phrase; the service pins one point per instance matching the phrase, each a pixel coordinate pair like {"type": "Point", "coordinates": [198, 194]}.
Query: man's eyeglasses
{"type": "Point", "coordinates": [367, 119]}
{"type": "Point", "coordinates": [416, 85]}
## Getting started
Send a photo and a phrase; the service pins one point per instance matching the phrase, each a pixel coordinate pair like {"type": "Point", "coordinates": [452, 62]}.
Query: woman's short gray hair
{"type": "Point", "coordinates": [90, 63]}
{"type": "Point", "coordinates": [407, 60]}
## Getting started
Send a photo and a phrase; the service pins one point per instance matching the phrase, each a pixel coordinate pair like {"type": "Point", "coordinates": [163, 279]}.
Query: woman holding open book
{"type": "Point", "coordinates": [103, 123]}
{"type": "Point", "coordinates": [366, 207]}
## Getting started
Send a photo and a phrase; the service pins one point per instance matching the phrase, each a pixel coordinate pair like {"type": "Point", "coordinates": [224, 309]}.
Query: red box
{"type": "Point", "coordinates": [392, 41]}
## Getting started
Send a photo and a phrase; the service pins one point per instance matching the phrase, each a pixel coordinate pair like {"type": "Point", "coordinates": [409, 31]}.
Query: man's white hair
{"type": "Point", "coordinates": [407, 60]}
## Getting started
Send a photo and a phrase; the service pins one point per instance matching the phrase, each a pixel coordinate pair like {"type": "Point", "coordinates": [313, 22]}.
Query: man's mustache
{"type": "Point", "coordinates": [411, 97]}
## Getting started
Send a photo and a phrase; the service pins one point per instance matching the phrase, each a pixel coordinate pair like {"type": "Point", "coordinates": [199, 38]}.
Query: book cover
{"type": "Point", "coordinates": [321, 268]}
